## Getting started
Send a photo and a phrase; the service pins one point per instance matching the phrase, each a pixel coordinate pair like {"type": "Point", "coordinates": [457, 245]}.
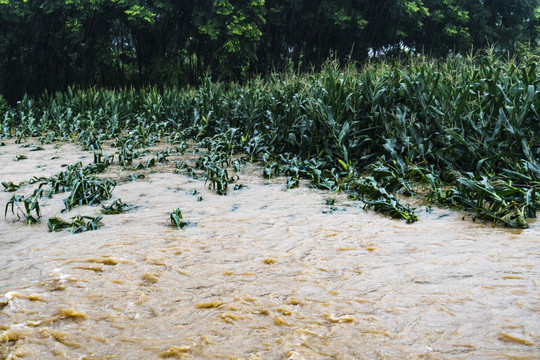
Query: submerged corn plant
{"type": "Point", "coordinates": [100, 163]}
{"type": "Point", "coordinates": [375, 196]}
{"type": "Point", "coordinates": [89, 191]}
{"type": "Point", "coordinates": [177, 219]}
{"type": "Point", "coordinates": [55, 224]}
{"type": "Point", "coordinates": [10, 186]}
{"type": "Point", "coordinates": [117, 207]}
{"type": "Point", "coordinates": [77, 225]}
{"type": "Point", "coordinates": [466, 128]}
{"type": "Point", "coordinates": [27, 206]}
{"type": "Point", "coordinates": [215, 170]}
{"type": "Point", "coordinates": [85, 223]}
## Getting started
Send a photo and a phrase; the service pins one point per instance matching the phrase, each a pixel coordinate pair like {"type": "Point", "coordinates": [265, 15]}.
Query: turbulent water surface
{"type": "Point", "coordinates": [262, 273]}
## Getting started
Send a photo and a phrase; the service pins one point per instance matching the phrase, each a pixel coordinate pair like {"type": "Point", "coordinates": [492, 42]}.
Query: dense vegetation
{"type": "Point", "coordinates": [463, 132]}
{"type": "Point", "coordinates": [53, 44]}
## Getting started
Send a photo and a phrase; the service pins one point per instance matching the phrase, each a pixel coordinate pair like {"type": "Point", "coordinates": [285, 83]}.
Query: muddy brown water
{"type": "Point", "coordinates": [262, 273]}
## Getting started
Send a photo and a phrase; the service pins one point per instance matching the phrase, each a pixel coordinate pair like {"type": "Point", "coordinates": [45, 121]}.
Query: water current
{"type": "Point", "coordinates": [262, 273]}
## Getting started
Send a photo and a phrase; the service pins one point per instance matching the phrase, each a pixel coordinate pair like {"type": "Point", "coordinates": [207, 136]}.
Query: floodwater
{"type": "Point", "coordinates": [262, 273]}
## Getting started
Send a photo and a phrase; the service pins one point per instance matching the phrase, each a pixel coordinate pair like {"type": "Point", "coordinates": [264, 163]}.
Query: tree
{"type": "Point", "coordinates": [232, 34]}
{"type": "Point", "coordinates": [511, 22]}
{"type": "Point", "coordinates": [52, 44]}
{"type": "Point", "coordinates": [447, 28]}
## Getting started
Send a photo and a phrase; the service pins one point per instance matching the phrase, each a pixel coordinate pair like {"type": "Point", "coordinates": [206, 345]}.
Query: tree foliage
{"type": "Point", "coordinates": [51, 44]}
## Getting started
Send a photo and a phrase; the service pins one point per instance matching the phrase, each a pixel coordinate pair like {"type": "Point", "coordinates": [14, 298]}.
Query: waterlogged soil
{"type": "Point", "coordinates": [262, 273]}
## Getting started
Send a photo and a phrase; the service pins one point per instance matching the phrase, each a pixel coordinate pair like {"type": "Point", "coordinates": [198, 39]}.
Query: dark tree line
{"type": "Point", "coordinates": [52, 44]}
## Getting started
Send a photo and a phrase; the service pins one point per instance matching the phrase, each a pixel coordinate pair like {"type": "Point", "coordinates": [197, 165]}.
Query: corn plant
{"type": "Point", "coordinates": [77, 225]}
{"type": "Point", "coordinates": [88, 191]}
{"type": "Point", "coordinates": [11, 187]}
{"type": "Point", "coordinates": [214, 166]}
{"type": "Point", "coordinates": [117, 207]}
{"type": "Point", "coordinates": [465, 127]}
{"type": "Point", "coordinates": [375, 196]}
{"type": "Point", "coordinates": [85, 223]}
{"type": "Point", "coordinates": [177, 219]}
{"type": "Point", "coordinates": [55, 224]}
{"type": "Point", "coordinates": [30, 208]}
{"type": "Point", "coordinates": [161, 156]}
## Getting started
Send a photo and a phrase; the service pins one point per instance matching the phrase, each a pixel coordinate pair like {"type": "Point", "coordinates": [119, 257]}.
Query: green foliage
{"type": "Point", "coordinates": [84, 189]}
{"type": "Point", "coordinates": [215, 171]}
{"type": "Point", "coordinates": [377, 197]}
{"type": "Point", "coordinates": [117, 207]}
{"type": "Point", "coordinates": [464, 128]}
{"type": "Point", "coordinates": [177, 219]}
{"type": "Point", "coordinates": [77, 225]}
{"type": "Point", "coordinates": [88, 191]}
{"type": "Point", "coordinates": [30, 208]}
{"type": "Point", "coordinates": [55, 224]}
{"type": "Point", "coordinates": [51, 45]}
{"type": "Point", "coordinates": [234, 31]}
{"type": "Point", "coordinates": [10, 186]}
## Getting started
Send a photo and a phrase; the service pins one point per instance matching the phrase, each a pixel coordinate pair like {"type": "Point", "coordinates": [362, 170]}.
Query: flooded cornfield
{"type": "Point", "coordinates": [265, 272]}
